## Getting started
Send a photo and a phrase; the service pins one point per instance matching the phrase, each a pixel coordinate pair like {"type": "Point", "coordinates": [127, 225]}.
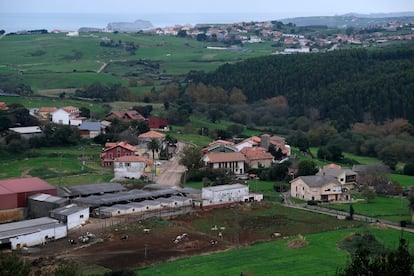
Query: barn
{"type": "Point", "coordinates": [72, 215]}
{"type": "Point", "coordinates": [221, 195]}
{"type": "Point", "coordinates": [15, 192]}
{"type": "Point", "coordinates": [17, 235]}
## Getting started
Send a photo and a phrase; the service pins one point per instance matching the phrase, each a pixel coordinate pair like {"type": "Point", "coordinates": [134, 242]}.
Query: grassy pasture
{"type": "Point", "coordinates": [382, 208]}
{"type": "Point", "coordinates": [320, 257]}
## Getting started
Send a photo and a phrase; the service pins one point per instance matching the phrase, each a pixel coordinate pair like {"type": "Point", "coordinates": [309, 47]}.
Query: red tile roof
{"type": "Point", "coordinates": [256, 153]}
{"type": "Point", "coordinates": [125, 145]}
{"type": "Point", "coordinates": [157, 123]}
{"type": "Point", "coordinates": [151, 135]}
{"type": "Point", "coordinates": [3, 106]}
{"type": "Point", "coordinates": [126, 115]}
{"type": "Point", "coordinates": [225, 157]}
{"type": "Point", "coordinates": [21, 185]}
{"type": "Point", "coordinates": [47, 109]}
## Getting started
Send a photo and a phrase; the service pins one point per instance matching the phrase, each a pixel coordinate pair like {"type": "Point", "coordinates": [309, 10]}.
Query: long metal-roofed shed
{"type": "Point", "coordinates": [90, 189]}
{"type": "Point", "coordinates": [32, 232]}
{"type": "Point", "coordinates": [122, 197]}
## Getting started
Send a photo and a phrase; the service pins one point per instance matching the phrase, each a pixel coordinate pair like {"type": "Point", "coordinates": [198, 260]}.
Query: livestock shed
{"type": "Point", "coordinates": [151, 205]}
{"type": "Point", "coordinates": [111, 199]}
{"type": "Point", "coordinates": [40, 205]}
{"type": "Point", "coordinates": [216, 196]}
{"type": "Point", "coordinates": [14, 192]}
{"type": "Point", "coordinates": [167, 202]}
{"type": "Point", "coordinates": [74, 216]}
{"type": "Point", "coordinates": [181, 201]}
{"type": "Point", "coordinates": [90, 189]}
{"type": "Point", "coordinates": [32, 232]}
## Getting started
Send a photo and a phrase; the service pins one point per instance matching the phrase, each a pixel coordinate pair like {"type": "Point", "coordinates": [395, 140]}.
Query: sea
{"type": "Point", "coordinates": [13, 22]}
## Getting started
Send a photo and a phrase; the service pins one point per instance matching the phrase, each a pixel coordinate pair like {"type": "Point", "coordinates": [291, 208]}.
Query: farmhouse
{"type": "Point", "coordinates": [316, 187]}
{"type": "Point", "coordinates": [68, 115]}
{"type": "Point", "coordinates": [17, 235]}
{"type": "Point", "coordinates": [257, 157]}
{"type": "Point", "coordinates": [222, 195]}
{"type": "Point", "coordinates": [15, 192]}
{"type": "Point", "coordinates": [91, 129]}
{"type": "Point", "coordinates": [346, 177]}
{"type": "Point", "coordinates": [72, 215]}
{"type": "Point", "coordinates": [231, 161]}
{"type": "Point", "coordinates": [115, 150]}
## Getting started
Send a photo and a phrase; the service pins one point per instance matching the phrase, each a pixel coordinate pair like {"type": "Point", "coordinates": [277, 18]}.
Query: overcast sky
{"type": "Point", "coordinates": [290, 7]}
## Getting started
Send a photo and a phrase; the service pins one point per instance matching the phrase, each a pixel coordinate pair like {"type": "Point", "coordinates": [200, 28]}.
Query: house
{"type": "Point", "coordinates": [278, 142]}
{"type": "Point", "coordinates": [27, 132]}
{"type": "Point", "coordinates": [72, 215]}
{"type": "Point", "coordinates": [316, 187]}
{"type": "Point", "coordinates": [131, 166]}
{"type": "Point", "coordinates": [145, 138]}
{"type": "Point", "coordinates": [253, 141]}
{"type": "Point", "coordinates": [222, 195]}
{"type": "Point", "coordinates": [125, 115]}
{"type": "Point", "coordinates": [115, 150]}
{"type": "Point", "coordinates": [68, 115]}
{"type": "Point", "coordinates": [232, 161]}
{"type": "Point", "coordinates": [91, 129]}
{"type": "Point", "coordinates": [17, 235]}
{"type": "Point", "coordinates": [158, 124]}
{"type": "Point", "coordinates": [257, 157]}
{"type": "Point", "coordinates": [346, 177]}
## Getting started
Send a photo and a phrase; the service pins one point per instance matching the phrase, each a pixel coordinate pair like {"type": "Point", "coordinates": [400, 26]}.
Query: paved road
{"type": "Point", "coordinates": [171, 172]}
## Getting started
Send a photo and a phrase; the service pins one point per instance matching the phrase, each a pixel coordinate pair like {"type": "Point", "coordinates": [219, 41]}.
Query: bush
{"type": "Point", "coordinates": [312, 202]}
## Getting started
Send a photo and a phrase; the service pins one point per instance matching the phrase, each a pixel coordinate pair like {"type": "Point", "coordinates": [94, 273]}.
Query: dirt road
{"type": "Point", "coordinates": [171, 172]}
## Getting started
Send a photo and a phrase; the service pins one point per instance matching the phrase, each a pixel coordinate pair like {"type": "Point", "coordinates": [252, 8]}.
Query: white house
{"type": "Point", "coordinates": [316, 187]}
{"type": "Point", "coordinates": [231, 161]}
{"type": "Point", "coordinates": [131, 166]}
{"type": "Point", "coordinates": [228, 194]}
{"type": "Point", "coordinates": [68, 115]}
{"type": "Point", "coordinates": [32, 232]}
{"type": "Point", "coordinates": [74, 216]}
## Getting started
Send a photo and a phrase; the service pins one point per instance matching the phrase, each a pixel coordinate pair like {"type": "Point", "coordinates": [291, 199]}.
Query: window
{"type": "Point", "coordinates": [127, 164]}
{"type": "Point", "coordinates": [81, 216]}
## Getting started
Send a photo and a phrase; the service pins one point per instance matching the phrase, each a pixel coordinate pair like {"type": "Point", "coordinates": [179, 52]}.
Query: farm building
{"type": "Point", "coordinates": [316, 187]}
{"type": "Point", "coordinates": [32, 232]}
{"type": "Point", "coordinates": [27, 132]}
{"type": "Point", "coordinates": [89, 189]}
{"type": "Point", "coordinates": [181, 201]}
{"type": "Point", "coordinates": [115, 210]}
{"type": "Point", "coordinates": [40, 205]}
{"type": "Point", "coordinates": [14, 194]}
{"type": "Point", "coordinates": [151, 205]}
{"type": "Point", "coordinates": [72, 215]}
{"type": "Point", "coordinates": [227, 194]}
{"type": "Point", "coordinates": [131, 166]}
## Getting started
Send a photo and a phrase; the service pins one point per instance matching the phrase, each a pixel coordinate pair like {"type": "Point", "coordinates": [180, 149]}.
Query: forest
{"type": "Point", "coordinates": [346, 86]}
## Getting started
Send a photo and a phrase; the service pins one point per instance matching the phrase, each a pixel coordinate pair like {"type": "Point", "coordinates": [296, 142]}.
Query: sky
{"type": "Point", "coordinates": [287, 7]}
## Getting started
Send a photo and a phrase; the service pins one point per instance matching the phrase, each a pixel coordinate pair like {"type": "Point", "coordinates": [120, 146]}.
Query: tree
{"type": "Point", "coordinates": [12, 265]}
{"type": "Point", "coordinates": [154, 146]}
{"type": "Point", "coordinates": [307, 167]}
{"type": "Point", "coordinates": [182, 33]}
{"type": "Point", "coordinates": [409, 168]}
{"type": "Point", "coordinates": [85, 112]}
{"type": "Point", "coordinates": [351, 211]}
{"type": "Point", "coordinates": [191, 157]}
{"type": "Point", "coordinates": [368, 194]}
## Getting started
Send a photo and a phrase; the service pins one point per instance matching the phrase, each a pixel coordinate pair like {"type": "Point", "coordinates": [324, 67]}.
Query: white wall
{"type": "Point", "coordinates": [37, 238]}
{"type": "Point", "coordinates": [60, 116]}
{"type": "Point", "coordinates": [134, 170]}
{"type": "Point", "coordinates": [223, 195]}
{"type": "Point", "coordinates": [78, 219]}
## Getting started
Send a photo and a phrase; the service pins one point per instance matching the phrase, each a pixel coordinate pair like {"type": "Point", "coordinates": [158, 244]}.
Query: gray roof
{"type": "Point", "coordinates": [68, 210]}
{"type": "Point", "coordinates": [25, 227]}
{"type": "Point", "coordinates": [335, 172]}
{"type": "Point", "coordinates": [89, 189]}
{"type": "Point", "coordinates": [48, 198]}
{"type": "Point", "coordinates": [27, 130]}
{"type": "Point", "coordinates": [91, 126]}
{"type": "Point", "coordinates": [191, 191]}
{"type": "Point", "coordinates": [132, 195]}
{"type": "Point", "coordinates": [225, 187]}
{"type": "Point", "coordinates": [318, 180]}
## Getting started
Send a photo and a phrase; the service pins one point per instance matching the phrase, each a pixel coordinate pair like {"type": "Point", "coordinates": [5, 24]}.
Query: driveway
{"type": "Point", "coordinates": [171, 172]}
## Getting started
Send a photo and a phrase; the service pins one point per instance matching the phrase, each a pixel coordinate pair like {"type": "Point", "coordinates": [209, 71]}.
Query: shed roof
{"type": "Point", "coordinates": [48, 198]}
{"type": "Point", "coordinates": [21, 185]}
{"type": "Point", "coordinates": [27, 130]}
{"type": "Point", "coordinates": [91, 126]}
{"type": "Point", "coordinates": [90, 189]}
{"type": "Point", "coordinates": [224, 187]}
{"type": "Point", "coordinates": [25, 227]}
{"type": "Point", "coordinates": [68, 210]}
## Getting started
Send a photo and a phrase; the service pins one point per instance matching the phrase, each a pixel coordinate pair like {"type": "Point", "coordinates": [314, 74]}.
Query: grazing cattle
{"type": "Point", "coordinates": [275, 235]}
{"type": "Point", "coordinates": [220, 235]}
{"type": "Point", "coordinates": [213, 242]}
{"type": "Point", "coordinates": [124, 237]}
{"type": "Point", "coordinates": [146, 230]}
{"type": "Point", "coordinates": [214, 228]}
{"type": "Point", "coordinates": [90, 235]}
{"type": "Point", "coordinates": [72, 242]}
{"type": "Point", "coordinates": [83, 239]}
{"type": "Point", "coordinates": [222, 228]}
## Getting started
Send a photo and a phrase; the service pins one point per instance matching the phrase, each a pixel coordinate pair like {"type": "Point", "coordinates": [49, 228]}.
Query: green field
{"type": "Point", "coordinates": [320, 257]}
